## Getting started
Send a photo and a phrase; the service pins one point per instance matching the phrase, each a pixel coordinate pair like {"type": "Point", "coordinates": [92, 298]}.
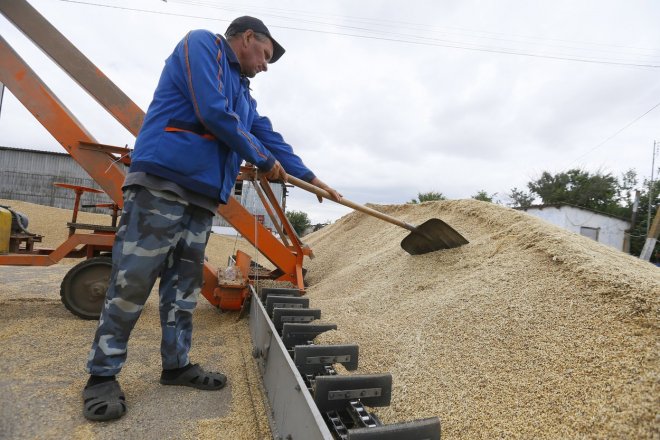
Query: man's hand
{"type": "Point", "coordinates": [276, 173]}
{"type": "Point", "coordinates": [334, 194]}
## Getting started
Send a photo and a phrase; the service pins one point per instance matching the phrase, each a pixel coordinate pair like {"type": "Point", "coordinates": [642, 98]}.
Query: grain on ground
{"type": "Point", "coordinates": [529, 331]}
{"type": "Point", "coordinates": [45, 348]}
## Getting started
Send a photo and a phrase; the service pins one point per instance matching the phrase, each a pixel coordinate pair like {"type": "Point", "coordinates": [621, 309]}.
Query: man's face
{"type": "Point", "coordinates": [255, 54]}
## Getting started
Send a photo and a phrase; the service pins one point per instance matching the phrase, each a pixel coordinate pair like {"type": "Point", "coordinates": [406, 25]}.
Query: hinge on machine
{"type": "Point", "coordinates": [304, 315]}
{"type": "Point", "coordinates": [313, 358]}
{"type": "Point", "coordinates": [287, 306]}
{"type": "Point", "coordinates": [326, 360]}
{"type": "Point", "coordinates": [359, 393]}
{"type": "Point", "coordinates": [298, 319]}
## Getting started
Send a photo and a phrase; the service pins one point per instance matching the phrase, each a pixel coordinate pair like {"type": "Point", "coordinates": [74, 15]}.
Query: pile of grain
{"type": "Point", "coordinates": [529, 331]}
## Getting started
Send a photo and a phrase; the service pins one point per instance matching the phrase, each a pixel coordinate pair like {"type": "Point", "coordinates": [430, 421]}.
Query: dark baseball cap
{"type": "Point", "coordinates": [242, 24]}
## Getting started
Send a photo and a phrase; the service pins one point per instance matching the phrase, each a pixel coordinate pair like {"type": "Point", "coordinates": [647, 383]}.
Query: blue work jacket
{"type": "Point", "coordinates": [202, 122]}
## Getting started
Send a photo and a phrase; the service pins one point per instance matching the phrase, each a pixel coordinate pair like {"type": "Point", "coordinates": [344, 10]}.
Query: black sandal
{"type": "Point", "coordinates": [197, 377]}
{"type": "Point", "coordinates": [104, 401]}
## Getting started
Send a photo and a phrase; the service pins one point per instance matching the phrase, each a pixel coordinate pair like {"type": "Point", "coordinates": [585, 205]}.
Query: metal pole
{"type": "Point", "coordinates": [627, 237]}
{"type": "Point", "coordinates": [652, 230]}
{"type": "Point", "coordinates": [648, 220]}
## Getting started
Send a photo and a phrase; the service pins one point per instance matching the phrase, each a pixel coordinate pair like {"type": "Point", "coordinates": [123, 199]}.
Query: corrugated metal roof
{"type": "Point", "coordinates": [34, 151]}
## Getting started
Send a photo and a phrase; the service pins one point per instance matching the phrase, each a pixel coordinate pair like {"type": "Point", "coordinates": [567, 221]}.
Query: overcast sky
{"type": "Point", "coordinates": [385, 99]}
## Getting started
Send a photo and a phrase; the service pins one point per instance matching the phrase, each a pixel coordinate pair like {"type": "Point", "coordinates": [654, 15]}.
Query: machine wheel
{"type": "Point", "coordinates": [84, 286]}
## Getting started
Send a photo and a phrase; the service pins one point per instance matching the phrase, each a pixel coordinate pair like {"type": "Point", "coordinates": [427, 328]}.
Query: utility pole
{"type": "Point", "coordinates": [633, 219]}
{"type": "Point", "coordinates": [648, 220]}
{"type": "Point", "coordinates": [653, 230]}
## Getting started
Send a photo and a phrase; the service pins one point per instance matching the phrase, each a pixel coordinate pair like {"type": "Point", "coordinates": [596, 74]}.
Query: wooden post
{"type": "Point", "coordinates": [651, 238]}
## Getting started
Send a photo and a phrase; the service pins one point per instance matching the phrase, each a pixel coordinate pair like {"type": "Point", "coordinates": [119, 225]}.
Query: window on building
{"type": "Point", "coordinates": [589, 232]}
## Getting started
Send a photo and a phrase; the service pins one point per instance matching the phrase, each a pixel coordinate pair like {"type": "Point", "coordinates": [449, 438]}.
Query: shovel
{"type": "Point", "coordinates": [432, 235]}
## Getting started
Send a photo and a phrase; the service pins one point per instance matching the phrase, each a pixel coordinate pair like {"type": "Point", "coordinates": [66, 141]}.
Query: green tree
{"type": "Point", "coordinates": [484, 196]}
{"type": "Point", "coordinates": [428, 197]}
{"type": "Point", "coordinates": [577, 187]}
{"type": "Point", "coordinates": [627, 188]}
{"type": "Point", "coordinates": [299, 220]}
{"type": "Point", "coordinates": [598, 191]}
{"type": "Point", "coordinates": [520, 198]}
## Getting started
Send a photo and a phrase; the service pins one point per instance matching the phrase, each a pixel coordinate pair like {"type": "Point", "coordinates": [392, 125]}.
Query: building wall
{"type": "Point", "coordinates": [29, 175]}
{"type": "Point", "coordinates": [611, 230]}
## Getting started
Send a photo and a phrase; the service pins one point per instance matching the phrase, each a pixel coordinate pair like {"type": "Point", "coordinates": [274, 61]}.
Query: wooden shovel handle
{"type": "Point", "coordinates": [344, 201]}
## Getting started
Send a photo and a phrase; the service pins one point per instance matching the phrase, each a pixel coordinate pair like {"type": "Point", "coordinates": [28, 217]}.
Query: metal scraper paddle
{"type": "Point", "coordinates": [432, 235]}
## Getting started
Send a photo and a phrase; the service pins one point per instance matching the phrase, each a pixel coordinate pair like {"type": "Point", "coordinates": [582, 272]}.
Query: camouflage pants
{"type": "Point", "coordinates": [159, 234]}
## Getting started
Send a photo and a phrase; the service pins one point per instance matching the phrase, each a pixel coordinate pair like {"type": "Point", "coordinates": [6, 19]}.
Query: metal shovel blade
{"type": "Point", "coordinates": [432, 235]}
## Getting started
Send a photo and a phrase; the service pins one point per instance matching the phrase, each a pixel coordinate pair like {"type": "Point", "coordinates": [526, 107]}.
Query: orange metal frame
{"type": "Point", "coordinates": [232, 294]}
{"type": "Point", "coordinates": [100, 161]}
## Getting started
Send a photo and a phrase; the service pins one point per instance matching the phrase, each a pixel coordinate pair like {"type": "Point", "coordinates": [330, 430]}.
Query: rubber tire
{"type": "Point", "coordinates": [68, 293]}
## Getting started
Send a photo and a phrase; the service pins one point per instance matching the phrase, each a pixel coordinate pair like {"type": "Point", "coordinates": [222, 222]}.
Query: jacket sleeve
{"type": "Point", "coordinates": [203, 67]}
{"type": "Point", "coordinates": [292, 163]}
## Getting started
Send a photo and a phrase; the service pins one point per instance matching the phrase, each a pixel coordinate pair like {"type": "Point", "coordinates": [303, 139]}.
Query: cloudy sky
{"type": "Point", "coordinates": [385, 99]}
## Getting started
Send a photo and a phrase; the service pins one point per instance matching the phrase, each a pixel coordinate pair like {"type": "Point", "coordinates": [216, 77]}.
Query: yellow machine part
{"type": "Point", "coordinates": [5, 230]}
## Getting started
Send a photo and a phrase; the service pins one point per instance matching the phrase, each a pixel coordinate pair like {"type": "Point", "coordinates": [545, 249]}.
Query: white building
{"type": "Point", "coordinates": [604, 228]}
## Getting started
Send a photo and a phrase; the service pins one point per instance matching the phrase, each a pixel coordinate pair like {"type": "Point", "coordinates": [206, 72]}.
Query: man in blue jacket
{"type": "Point", "coordinates": [200, 126]}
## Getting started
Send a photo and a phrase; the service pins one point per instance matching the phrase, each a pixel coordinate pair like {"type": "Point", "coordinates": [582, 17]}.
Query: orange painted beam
{"type": "Point", "coordinates": [54, 44]}
{"type": "Point", "coordinates": [28, 88]}
{"type": "Point", "coordinates": [209, 283]}
{"type": "Point", "coordinates": [104, 240]}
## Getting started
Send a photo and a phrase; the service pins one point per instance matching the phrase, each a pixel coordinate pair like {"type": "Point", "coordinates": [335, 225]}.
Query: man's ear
{"type": "Point", "coordinates": [248, 35]}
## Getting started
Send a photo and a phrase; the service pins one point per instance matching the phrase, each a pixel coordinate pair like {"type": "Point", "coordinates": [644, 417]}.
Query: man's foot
{"type": "Point", "coordinates": [103, 400]}
{"type": "Point", "coordinates": [193, 376]}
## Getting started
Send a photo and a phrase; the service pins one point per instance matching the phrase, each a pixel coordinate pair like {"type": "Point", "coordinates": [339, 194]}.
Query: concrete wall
{"type": "Point", "coordinates": [610, 230]}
